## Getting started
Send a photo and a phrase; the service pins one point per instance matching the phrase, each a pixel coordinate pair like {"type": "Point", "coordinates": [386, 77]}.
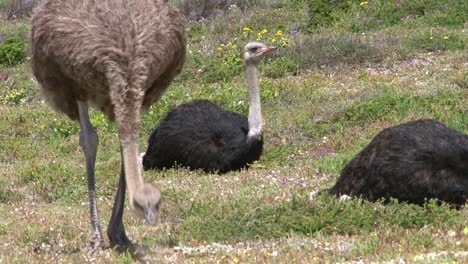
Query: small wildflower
{"type": "Point", "coordinates": [279, 33]}
{"type": "Point", "coordinates": [235, 260]}
{"type": "Point", "coordinates": [246, 29]}
{"type": "Point", "coordinates": [363, 3]}
{"type": "Point", "coordinates": [446, 37]}
{"type": "Point", "coordinates": [263, 32]}
{"type": "Point", "coordinates": [465, 231]}
{"type": "Point", "coordinates": [273, 40]}
{"type": "Point", "coordinates": [418, 257]}
{"type": "Point", "coordinates": [431, 37]}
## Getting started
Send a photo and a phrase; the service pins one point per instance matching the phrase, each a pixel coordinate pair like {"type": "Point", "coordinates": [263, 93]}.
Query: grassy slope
{"type": "Point", "coordinates": [316, 120]}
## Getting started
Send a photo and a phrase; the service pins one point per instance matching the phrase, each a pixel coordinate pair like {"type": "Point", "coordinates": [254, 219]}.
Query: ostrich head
{"type": "Point", "coordinates": [145, 202]}
{"type": "Point", "coordinates": [254, 52]}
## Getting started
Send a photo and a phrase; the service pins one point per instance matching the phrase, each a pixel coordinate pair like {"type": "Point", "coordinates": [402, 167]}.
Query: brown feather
{"type": "Point", "coordinates": [116, 55]}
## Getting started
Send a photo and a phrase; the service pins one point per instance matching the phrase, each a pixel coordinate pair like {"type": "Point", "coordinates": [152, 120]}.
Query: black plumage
{"type": "Point", "coordinates": [201, 135]}
{"type": "Point", "coordinates": [412, 162]}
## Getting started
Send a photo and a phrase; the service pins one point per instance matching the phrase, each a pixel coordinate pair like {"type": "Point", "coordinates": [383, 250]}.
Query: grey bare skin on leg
{"type": "Point", "coordinates": [89, 142]}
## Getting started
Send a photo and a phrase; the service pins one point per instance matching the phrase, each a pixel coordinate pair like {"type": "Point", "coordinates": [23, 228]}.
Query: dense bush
{"type": "Point", "coordinates": [13, 52]}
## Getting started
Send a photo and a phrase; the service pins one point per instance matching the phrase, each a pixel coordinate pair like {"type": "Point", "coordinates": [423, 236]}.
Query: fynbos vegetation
{"type": "Point", "coordinates": [343, 71]}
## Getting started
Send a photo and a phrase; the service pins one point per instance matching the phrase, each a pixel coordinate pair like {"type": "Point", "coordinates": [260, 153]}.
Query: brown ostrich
{"type": "Point", "coordinates": [118, 56]}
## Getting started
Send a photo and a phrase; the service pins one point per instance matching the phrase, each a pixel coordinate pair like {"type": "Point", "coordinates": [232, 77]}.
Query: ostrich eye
{"type": "Point", "coordinates": [254, 49]}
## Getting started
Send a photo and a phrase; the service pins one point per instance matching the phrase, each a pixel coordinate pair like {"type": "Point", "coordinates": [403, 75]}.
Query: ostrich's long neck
{"type": "Point", "coordinates": [255, 111]}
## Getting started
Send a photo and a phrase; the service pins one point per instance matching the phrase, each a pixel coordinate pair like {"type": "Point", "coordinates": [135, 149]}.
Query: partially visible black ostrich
{"type": "Point", "coordinates": [412, 162]}
{"type": "Point", "coordinates": [201, 135]}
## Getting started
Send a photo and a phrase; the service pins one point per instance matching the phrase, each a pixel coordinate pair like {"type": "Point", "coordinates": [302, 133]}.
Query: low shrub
{"type": "Point", "coordinates": [382, 13]}
{"type": "Point", "coordinates": [15, 9]}
{"type": "Point", "coordinates": [196, 10]}
{"type": "Point", "coordinates": [281, 67]}
{"type": "Point", "coordinates": [322, 13]}
{"type": "Point", "coordinates": [317, 50]}
{"type": "Point", "coordinates": [13, 52]}
{"type": "Point", "coordinates": [226, 64]}
{"type": "Point", "coordinates": [434, 40]}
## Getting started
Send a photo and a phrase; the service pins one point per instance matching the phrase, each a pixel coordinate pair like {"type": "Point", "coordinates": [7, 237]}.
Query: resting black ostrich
{"type": "Point", "coordinates": [118, 56]}
{"type": "Point", "coordinates": [201, 135]}
{"type": "Point", "coordinates": [412, 162]}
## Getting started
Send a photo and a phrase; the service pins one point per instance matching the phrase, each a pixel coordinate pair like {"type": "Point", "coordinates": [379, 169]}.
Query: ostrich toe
{"type": "Point", "coordinates": [95, 244]}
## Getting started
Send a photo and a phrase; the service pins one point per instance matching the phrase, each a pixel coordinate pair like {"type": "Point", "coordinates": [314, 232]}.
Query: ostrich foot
{"type": "Point", "coordinates": [95, 244]}
{"type": "Point", "coordinates": [120, 242]}
{"type": "Point", "coordinates": [142, 254]}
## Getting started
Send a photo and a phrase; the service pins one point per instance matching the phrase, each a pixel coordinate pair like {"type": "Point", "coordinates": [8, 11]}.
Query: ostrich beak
{"type": "Point", "coordinates": [150, 216]}
{"type": "Point", "coordinates": [265, 50]}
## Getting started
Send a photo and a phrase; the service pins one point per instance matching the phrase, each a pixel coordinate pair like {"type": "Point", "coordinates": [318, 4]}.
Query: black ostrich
{"type": "Point", "coordinates": [412, 162]}
{"type": "Point", "coordinates": [201, 135]}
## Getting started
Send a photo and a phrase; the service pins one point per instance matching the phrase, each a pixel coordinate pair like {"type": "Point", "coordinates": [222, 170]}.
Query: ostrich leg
{"type": "Point", "coordinates": [116, 230]}
{"type": "Point", "coordinates": [89, 142]}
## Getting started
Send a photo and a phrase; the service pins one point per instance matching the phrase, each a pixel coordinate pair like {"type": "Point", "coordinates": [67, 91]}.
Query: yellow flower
{"type": "Point", "coordinates": [431, 37]}
{"type": "Point", "coordinates": [279, 33]}
{"type": "Point", "coordinates": [273, 40]}
{"type": "Point", "coordinates": [246, 29]}
{"type": "Point", "coordinates": [235, 260]}
{"type": "Point", "coordinates": [465, 231]}
{"type": "Point", "coordinates": [263, 32]}
{"type": "Point", "coordinates": [445, 37]}
{"type": "Point", "coordinates": [363, 3]}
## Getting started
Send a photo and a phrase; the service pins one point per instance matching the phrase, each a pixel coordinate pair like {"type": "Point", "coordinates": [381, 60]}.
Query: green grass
{"type": "Point", "coordinates": [326, 92]}
{"type": "Point", "coordinates": [239, 220]}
